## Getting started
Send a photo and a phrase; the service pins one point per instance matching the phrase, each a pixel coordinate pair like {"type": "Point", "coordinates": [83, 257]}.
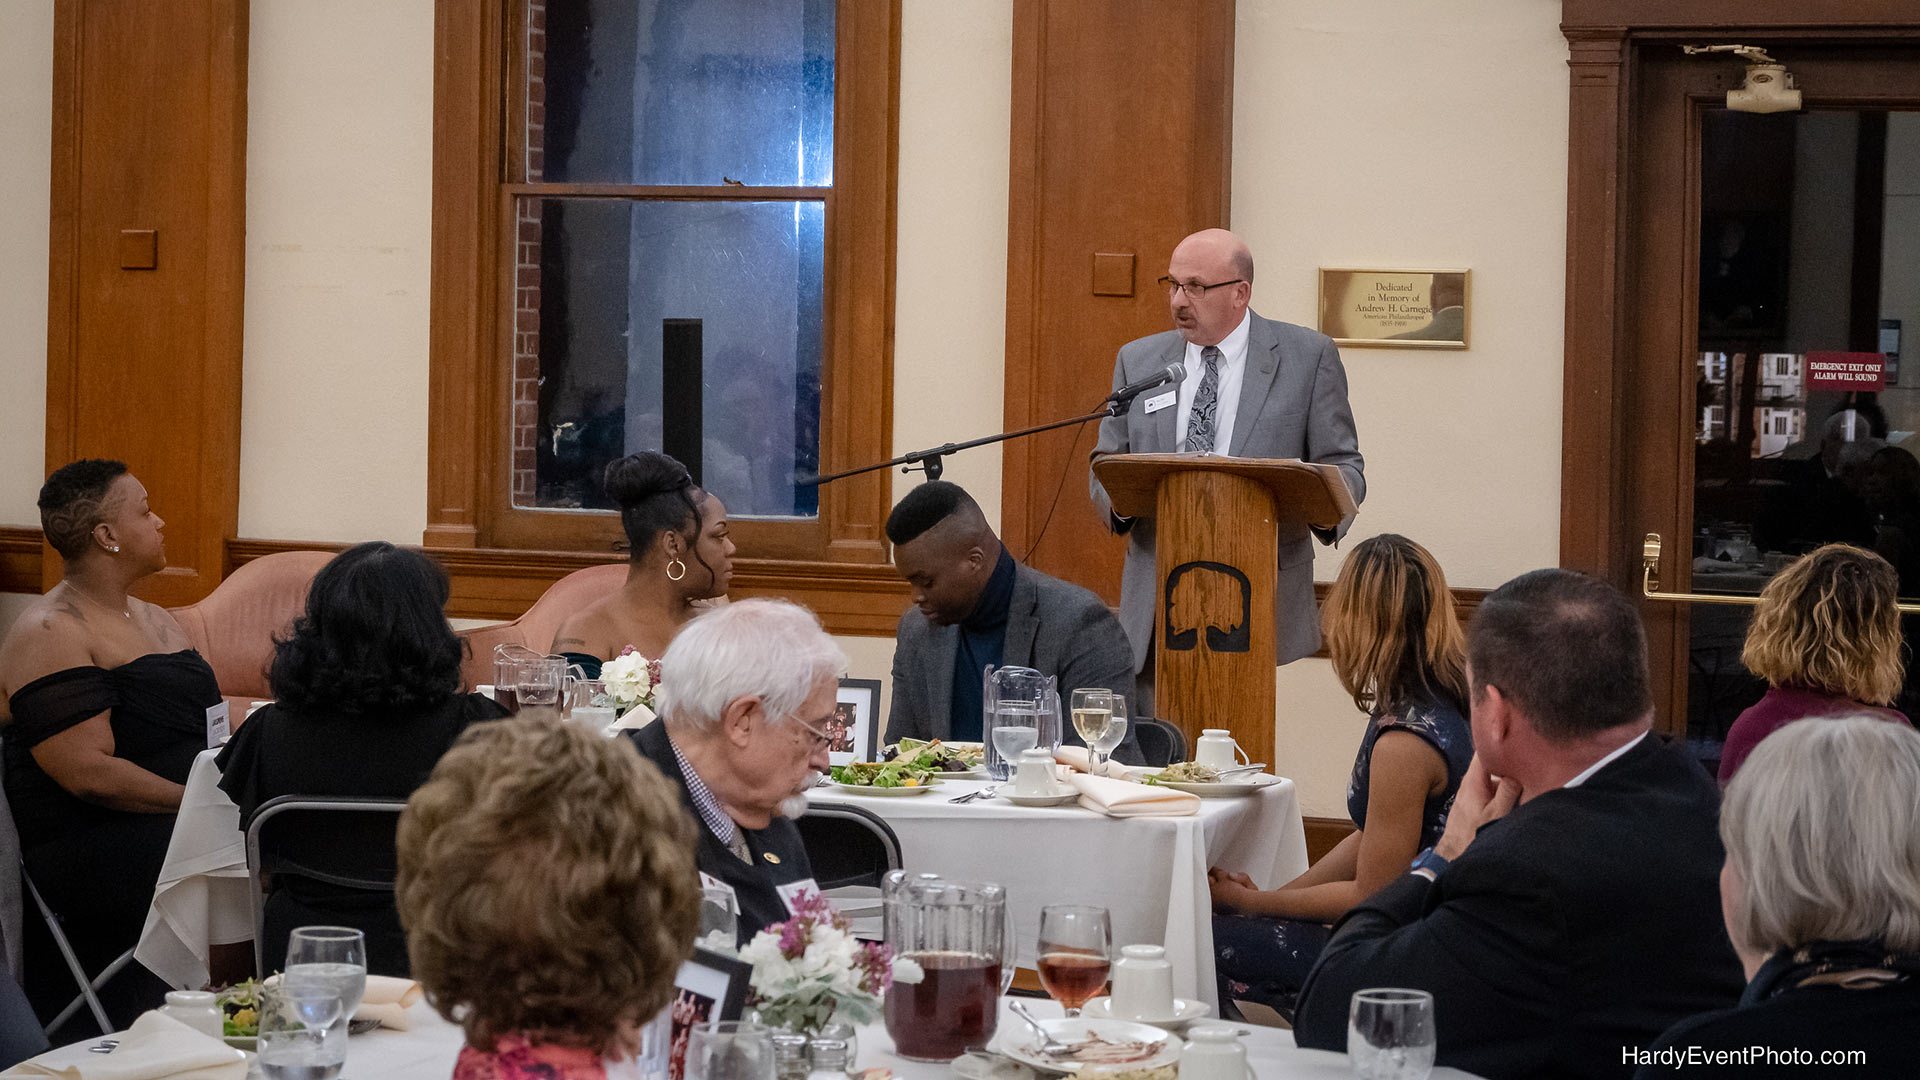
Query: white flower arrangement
{"type": "Point", "coordinates": [631, 681]}
{"type": "Point", "coordinates": [811, 970]}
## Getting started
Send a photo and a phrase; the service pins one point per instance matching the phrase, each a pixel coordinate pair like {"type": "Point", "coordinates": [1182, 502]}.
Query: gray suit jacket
{"type": "Point", "coordinates": [1293, 404]}
{"type": "Point", "coordinates": [1053, 626]}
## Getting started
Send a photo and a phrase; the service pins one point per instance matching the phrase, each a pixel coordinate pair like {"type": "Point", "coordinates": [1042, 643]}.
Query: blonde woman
{"type": "Point", "coordinates": [1398, 649]}
{"type": "Point", "coordinates": [1821, 895]}
{"type": "Point", "coordinates": [1826, 638]}
{"type": "Point", "coordinates": [548, 890]}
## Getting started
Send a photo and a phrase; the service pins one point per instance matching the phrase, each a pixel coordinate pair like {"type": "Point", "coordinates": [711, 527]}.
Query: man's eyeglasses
{"type": "Point", "coordinates": [821, 740]}
{"type": "Point", "coordinates": [1195, 289]}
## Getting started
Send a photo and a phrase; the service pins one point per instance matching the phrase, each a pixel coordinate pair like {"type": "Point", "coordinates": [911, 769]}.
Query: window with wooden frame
{"type": "Point", "coordinates": [661, 224]}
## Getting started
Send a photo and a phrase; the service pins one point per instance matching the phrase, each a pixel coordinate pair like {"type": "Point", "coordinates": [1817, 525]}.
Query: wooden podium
{"type": "Point", "coordinates": [1216, 557]}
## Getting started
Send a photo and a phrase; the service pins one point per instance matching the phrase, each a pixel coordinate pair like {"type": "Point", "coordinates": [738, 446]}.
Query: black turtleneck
{"type": "Point", "coordinates": [983, 638]}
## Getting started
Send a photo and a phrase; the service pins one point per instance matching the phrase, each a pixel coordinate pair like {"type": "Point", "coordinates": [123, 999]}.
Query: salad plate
{"type": "Point", "coordinates": [1090, 1043]}
{"type": "Point", "coordinates": [1184, 1012]}
{"type": "Point", "coordinates": [1221, 789]}
{"type": "Point", "coordinates": [871, 789]}
{"type": "Point", "coordinates": [1061, 799]}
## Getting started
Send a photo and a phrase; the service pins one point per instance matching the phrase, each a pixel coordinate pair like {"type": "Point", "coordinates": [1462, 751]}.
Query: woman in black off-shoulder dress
{"type": "Point", "coordinates": [105, 707]}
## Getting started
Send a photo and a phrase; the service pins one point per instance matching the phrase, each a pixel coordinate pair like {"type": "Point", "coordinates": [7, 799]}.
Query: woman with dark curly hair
{"type": "Point", "coordinates": [548, 887]}
{"type": "Point", "coordinates": [367, 698]}
{"type": "Point", "coordinates": [1826, 638]}
{"type": "Point", "coordinates": [678, 555]}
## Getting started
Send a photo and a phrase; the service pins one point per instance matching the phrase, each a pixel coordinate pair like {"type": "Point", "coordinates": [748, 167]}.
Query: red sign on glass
{"type": "Point", "coordinates": [1846, 371]}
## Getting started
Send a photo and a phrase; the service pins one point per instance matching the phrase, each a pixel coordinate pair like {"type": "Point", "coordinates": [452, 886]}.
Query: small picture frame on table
{"type": "Point", "coordinates": [710, 986]}
{"type": "Point", "coordinates": [855, 729]}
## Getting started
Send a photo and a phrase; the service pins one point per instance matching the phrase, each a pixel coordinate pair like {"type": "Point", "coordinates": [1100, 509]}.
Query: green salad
{"type": "Point", "coordinates": [240, 1009]}
{"type": "Point", "coordinates": [1186, 772]}
{"type": "Point", "coordinates": [882, 774]}
{"type": "Point", "coordinates": [937, 756]}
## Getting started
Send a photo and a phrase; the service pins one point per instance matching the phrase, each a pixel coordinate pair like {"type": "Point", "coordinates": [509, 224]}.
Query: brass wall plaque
{"type": "Point", "coordinates": [1403, 309]}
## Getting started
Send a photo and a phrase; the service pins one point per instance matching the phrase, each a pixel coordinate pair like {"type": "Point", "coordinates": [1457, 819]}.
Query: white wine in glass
{"type": "Point", "coordinates": [1092, 713]}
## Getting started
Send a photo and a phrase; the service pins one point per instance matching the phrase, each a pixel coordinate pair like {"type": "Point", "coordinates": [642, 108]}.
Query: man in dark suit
{"type": "Point", "coordinates": [1571, 910]}
{"type": "Point", "coordinates": [745, 694]}
{"type": "Point", "coordinates": [1254, 388]}
{"type": "Point", "coordinates": [975, 607]}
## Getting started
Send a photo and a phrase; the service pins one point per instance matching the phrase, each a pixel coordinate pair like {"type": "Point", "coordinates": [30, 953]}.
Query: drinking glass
{"type": "Point", "coordinates": [729, 1050]}
{"type": "Point", "coordinates": [301, 1037]}
{"type": "Point", "coordinates": [1092, 713]}
{"type": "Point", "coordinates": [1390, 1034]}
{"type": "Point", "coordinates": [330, 959]}
{"type": "Point", "coordinates": [507, 659]}
{"type": "Point", "coordinates": [1100, 751]}
{"type": "Point", "coordinates": [1014, 733]}
{"type": "Point", "coordinates": [719, 920]}
{"type": "Point", "coordinates": [540, 681]}
{"type": "Point", "coordinates": [1076, 945]}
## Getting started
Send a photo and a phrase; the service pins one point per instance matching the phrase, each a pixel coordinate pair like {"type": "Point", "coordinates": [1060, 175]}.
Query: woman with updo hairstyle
{"type": "Point", "coordinates": [367, 697]}
{"type": "Point", "coordinates": [103, 705]}
{"type": "Point", "coordinates": [548, 888]}
{"type": "Point", "coordinates": [678, 556]}
{"type": "Point", "coordinates": [1826, 638]}
{"type": "Point", "coordinates": [1821, 897]}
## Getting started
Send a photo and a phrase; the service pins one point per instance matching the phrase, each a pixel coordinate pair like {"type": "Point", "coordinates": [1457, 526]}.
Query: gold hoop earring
{"type": "Point", "coordinates": [671, 576]}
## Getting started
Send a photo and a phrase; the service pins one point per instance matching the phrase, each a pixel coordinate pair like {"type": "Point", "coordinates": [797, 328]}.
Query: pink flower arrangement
{"type": "Point", "coordinates": [811, 970]}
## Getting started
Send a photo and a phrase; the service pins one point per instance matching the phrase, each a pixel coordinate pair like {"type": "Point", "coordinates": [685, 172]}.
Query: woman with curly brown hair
{"type": "Point", "coordinates": [1398, 649]}
{"type": "Point", "coordinates": [548, 889]}
{"type": "Point", "coordinates": [1826, 638]}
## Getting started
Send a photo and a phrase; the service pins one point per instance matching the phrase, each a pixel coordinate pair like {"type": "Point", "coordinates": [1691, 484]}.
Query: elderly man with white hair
{"type": "Point", "coordinates": [744, 698]}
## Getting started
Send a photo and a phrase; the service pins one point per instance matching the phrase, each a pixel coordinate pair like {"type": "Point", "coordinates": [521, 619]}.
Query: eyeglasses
{"type": "Point", "coordinates": [821, 740]}
{"type": "Point", "coordinates": [1195, 289]}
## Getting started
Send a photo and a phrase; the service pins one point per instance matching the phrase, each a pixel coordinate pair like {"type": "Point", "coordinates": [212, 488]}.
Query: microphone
{"type": "Point", "coordinates": [1172, 373]}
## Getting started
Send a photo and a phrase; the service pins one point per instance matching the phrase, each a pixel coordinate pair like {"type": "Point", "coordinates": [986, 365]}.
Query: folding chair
{"type": "Point", "coordinates": [1161, 743]}
{"type": "Point", "coordinates": [339, 845]}
{"type": "Point", "coordinates": [848, 846]}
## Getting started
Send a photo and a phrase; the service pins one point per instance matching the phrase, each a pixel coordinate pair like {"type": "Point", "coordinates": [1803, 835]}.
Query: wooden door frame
{"type": "Point", "coordinates": [1606, 331]}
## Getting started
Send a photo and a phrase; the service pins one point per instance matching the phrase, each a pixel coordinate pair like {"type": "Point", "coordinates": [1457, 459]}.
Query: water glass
{"type": "Point", "coordinates": [329, 959]}
{"type": "Point", "coordinates": [1014, 733]}
{"type": "Point", "coordinates": [1100, 750]}
{"type": "Point", "coordinates": [1390, 1034]}
{"type": "Point", "coordinates": [729, 1050]}
{"type": "Point", "coordinates": [540, 681]}
{"type": "Point", "coordinates": [1076, 952]}
{"type": "Point", "coordinates": [301, 1037]}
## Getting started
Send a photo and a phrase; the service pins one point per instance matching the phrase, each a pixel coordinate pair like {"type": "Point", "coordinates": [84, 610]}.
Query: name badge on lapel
{"type": "Point", "coordinates": [792, 892]}
{"type": "Point", "coordinates": [1159, 401]}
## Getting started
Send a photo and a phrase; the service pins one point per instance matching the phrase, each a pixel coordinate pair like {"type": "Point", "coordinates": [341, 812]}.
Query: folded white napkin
{"type": "Point", "coordinates": [1124, 798]}
{"type": "Point", "coordinates": [1076, 758]}
{"type": "Point", "coordinates": [387, 1000]}
{"type": "Point", "coordinates": [156, 1047]}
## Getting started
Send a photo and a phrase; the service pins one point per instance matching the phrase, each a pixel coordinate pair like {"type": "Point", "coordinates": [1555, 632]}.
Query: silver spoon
{"type": "Point", "coordinates": [1050, 1046]}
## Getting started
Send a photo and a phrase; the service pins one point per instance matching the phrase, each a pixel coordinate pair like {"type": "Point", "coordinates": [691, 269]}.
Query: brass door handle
{"type": "Point", "coordinates": [1650, 583]}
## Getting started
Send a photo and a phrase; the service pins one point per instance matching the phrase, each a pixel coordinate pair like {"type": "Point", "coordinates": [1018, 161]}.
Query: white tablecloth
{"type": "Point", "coordinates": [428, 1051]}
{"type": "Point", "coordinates": [1150, 872]}
{"type": "Point", "coordinates": [200, 899]}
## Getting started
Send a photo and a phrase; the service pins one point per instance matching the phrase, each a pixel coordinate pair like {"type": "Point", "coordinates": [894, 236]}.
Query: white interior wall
{"type": "Point", "coordinates": [26, 130]}
{"type": "Point", "coordinates": [1372, 132]}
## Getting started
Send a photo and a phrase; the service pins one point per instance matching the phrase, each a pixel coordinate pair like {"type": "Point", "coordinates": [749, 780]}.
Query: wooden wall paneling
{"type": "Point", "coordinates": [20, 560]}
{"type": "Point", "coordinates": [1590, 472]}
{"type": "Point", "coordinates": [149, 133]}
{"type": "Point", "coordinates": [1084, 183]}
{"type": "Point", "coordinates": [1710, 16]}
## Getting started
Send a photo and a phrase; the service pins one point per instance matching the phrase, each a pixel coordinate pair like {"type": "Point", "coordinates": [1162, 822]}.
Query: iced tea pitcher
{"type": "Point", "coordinates": [959, 935]}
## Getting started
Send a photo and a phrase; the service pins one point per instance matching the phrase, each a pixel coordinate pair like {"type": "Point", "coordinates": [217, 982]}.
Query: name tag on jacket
{"type": "Point", "coordinates": [1159, 401]}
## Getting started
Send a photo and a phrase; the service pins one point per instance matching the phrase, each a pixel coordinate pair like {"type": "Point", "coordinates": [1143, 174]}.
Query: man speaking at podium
{"type": "Point", "coordinates": [1252, 388]}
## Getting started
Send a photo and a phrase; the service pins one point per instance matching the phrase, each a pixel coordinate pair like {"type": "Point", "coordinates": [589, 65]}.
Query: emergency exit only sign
{"type": "Point", "coordinates": [1846, 371]}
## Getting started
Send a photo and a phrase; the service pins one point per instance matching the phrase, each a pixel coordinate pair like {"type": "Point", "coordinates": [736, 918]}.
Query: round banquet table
{"type": "Point", "coordinates": [427, 1052]}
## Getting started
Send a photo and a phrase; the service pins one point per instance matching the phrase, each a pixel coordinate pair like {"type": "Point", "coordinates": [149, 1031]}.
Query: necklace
{"type": "Point", "coordinates": [126, 611]}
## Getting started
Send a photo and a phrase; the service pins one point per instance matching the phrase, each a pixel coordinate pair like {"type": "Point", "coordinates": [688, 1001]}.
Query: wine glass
{"type": "Point", "coordinates": [300, 1037]}
{"type": "Point", "coordinates": [1015, 733]}
{"type": "Point", "coordinates": [1390, 1034]}
{"type": "Point", "coordinates": [1116, 732]}
{"type": "Point", "coordinates": [1076, 944]}
{"type": "Point", "coordinates": [1092, 714]}
{"type": "Point", "coordinates": [541, 680]}
{"type": "Point", "coordinates": [330, 959]}
{"type": "Point", "coordinates": [729, 1050]}
{"type": "Point", "coordinates": [719, 919]}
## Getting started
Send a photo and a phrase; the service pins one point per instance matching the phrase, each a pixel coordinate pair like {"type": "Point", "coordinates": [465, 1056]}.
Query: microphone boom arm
{"type": "Point", "coordinates": [929, 461]}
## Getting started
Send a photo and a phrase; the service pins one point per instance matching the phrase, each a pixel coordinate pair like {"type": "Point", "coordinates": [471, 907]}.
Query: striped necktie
{"type": "Point", "coordinates": [1206, 403]}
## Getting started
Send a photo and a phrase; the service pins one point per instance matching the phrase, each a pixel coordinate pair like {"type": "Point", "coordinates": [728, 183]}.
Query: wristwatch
{"type": "Point", "coordinates": [1428, 864]}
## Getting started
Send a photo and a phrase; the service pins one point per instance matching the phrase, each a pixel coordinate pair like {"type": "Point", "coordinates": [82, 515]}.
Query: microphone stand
{"type": "Point", "coordinates": [928, 461]}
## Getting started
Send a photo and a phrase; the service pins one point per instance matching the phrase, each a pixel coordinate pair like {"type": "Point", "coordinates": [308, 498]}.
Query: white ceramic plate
{"type": "Point", "coordinates": [1061, 799]}
{"type": "Point", "coordinates": [868, 789]}
{"type": "Point", "coordinates": [1222, 789]}
{"type": "Point", "coordinates": [1184, 1012]}
{"type": "Point", "coordinates": [969, 774]}
{"type": "Point", "coordinates": [1018, 1041]}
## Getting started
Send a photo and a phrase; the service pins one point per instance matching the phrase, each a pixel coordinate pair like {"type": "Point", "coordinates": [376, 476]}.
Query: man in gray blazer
{"type": "Point", "coordinates": [975, 606]}
{"type": "Point", "coordinates": [1253, 388]}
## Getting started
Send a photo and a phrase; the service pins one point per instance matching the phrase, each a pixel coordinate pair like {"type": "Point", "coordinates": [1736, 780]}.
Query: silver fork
{"type": "Point", "coordinates": [1051, 1046]}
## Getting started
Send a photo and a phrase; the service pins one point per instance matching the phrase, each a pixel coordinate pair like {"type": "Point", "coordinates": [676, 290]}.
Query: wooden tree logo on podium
{"type": "Point", "coordinates": [1208, 596]}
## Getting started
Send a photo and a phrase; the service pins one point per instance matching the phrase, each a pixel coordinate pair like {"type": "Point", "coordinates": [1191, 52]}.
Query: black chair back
{"type": "Point", "coordinates": [1161, 743]}
{"type": "Point", "coordinates": [848, 846]}
{"type": "Point", "coordinates": [346, 845]}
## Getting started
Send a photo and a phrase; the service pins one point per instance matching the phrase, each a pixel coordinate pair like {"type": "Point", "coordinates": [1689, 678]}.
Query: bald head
{"type": "Point", "coordinates": [944, 548]}
{"type": "Point", "coordinates": [1220, 260]}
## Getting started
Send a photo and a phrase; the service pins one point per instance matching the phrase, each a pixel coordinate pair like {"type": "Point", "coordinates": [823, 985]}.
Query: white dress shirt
{"type": "Point", "coordinates": [1233, 364]}
{"type": "Point", "coordinates": [1604, 762]}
